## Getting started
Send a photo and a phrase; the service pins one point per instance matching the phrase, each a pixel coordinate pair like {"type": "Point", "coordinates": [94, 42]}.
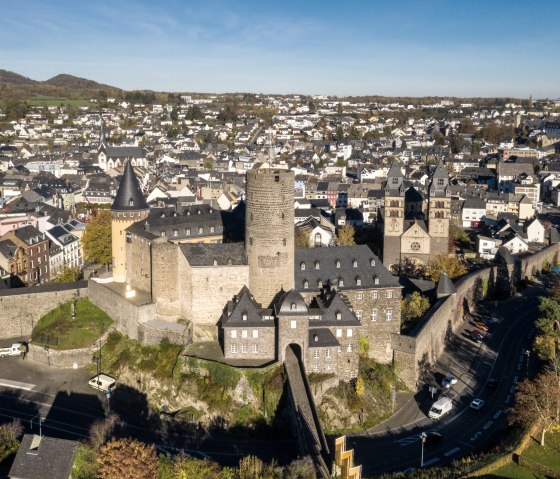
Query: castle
{"type": "Point", "coordinates": [260, 295]}
{"type": "Point", "coordinates": [411, 229]}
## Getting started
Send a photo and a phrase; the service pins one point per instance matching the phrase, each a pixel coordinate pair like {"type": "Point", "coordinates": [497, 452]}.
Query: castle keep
{"type": "Point", "coordinates": [249, 288]}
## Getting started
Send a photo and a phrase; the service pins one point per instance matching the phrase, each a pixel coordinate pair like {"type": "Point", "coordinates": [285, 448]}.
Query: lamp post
{"type": "Point", "coordinates": [423, 437]}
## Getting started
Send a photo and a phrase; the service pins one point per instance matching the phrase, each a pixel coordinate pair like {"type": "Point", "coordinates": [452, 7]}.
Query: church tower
{"type": "Point", "coordinates": [269, 231]}
{"type": "Point", "coordinates": [439, 211]}
{"type": "Point", "coordinates": [393, 216]}
{"type": "Point", "coordinates": [128, 208]}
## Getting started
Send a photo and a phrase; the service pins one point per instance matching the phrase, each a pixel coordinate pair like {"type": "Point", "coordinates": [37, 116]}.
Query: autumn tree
{"type": "Point", "coordinates": [68, 275]}
{"type": "Point", "coordinates": [188, 468]}
{"type": "Point", "coordinates": [547, 341]}
{"type": "Point", "coordinates": [345, 236]}
{"type": "Point", "coordinates": [9, 434]}
{"type": "Point", "coordinates": [96, 240]}
{"type": "Point", "coordinates": [301, 238]}
{"type": "Point", "coordinates": [122, 458]}
{"type": "Point", "coordinates": [414, 307]}
{"type": "Point", "coordinates": [537, 402]}
{"type": "Point", "coordinates": [448, 264]}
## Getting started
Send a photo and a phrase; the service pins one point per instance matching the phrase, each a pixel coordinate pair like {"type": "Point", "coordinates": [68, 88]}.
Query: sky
{"type": "Point", "coordinates": [329, 47]}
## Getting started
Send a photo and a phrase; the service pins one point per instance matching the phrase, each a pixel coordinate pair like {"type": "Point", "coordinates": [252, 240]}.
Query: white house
{"type": "Point", "coordinates": [535, 231]}
{"type": "Point", "coordinates": [474, 209]}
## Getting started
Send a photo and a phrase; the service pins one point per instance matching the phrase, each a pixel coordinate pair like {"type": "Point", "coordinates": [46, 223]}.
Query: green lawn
{"type": "Point", "coordinates": [58, 330]}
{"type": "Point", "coordinates": [513, 471]}
{"type": "Point", "coordinates": [547, 455]}
{"type": "Point", "coordinates": [40, 100]}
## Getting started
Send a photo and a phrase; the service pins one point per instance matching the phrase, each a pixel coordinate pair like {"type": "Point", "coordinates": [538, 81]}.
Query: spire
{"type": "Point", "coordinates": [129, 195]}
{"type": "Point", "coordinates": [395, 179]}
{"type": "Point", "coordinates": [439, 185]}
{"type": "Point", "coordinates": [101, 135]}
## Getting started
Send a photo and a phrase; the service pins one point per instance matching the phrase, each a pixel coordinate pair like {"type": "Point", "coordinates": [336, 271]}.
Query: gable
{"type": "Point", "coordinates": [415, 231]}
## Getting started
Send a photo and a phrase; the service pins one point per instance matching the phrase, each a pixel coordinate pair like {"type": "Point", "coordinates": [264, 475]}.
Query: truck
{"type": "Point", "coordinates": [14, 350]}
{"type": "Point", "coordinates": [102, 382]}
{"type": "Point", "coordinates": [441, 407]}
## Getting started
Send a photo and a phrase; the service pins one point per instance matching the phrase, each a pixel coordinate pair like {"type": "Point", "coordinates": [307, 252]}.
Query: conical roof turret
{"type": "Point", "coordinates": [129, 195]}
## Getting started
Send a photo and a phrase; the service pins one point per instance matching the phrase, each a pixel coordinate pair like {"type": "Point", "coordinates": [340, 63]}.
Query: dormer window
{"type": "Point", "coordinates": [372, 263]}
{"type": "Point", "coordinates": [130, 202]}
{"type": "Point", "coordinates": [337, 263]}
{"type": "Point", "coordinates": [320, 284]}
{"type": "Point", "coordinates": [198, 212]}
{"type": "Point", "coordinates": [302, 266]}
{"type": "Point", "coordinates": [200, 230]}
{"type": "Point", "coordinates": [215, 262]}
{"type": "Point", "coordinates": [340, 282]}
{"type": "Point", "coordinates": [175, 233]}
{"type": "Point", "coordinates": [187, 231]}
{"type": "Point", "coordinates": [293, 306]}
{"type": "Point", "coordinates": [338, 315]}
{"type": "Point", "coordinates": [305, 284]}
{"type": "Point", "coordinates": [317, 265]}
{"type": "Point", "coordinates": [244, 316]}
{"type": "Point", "coordinates": [354, 264]}
{"type": "Point", "coordinates": [375, 280]}
{"type": "Point", "coordinates": [358, 281]}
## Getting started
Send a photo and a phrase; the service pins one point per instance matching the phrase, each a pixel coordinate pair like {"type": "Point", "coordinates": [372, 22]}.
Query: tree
{"type": "Point", "coordinates": [448, 264]}
{"type": "Point", "coordinates": [97, 239]}
{"type": "Point", "coordinates": [414, 306]}
{"type": "Point", "coordinates": [301, 238]}
{"type": "Point", "coordinates": [345, 236]}
{"type": "Point", "coordinates": [547, 342]}
{"type": "Point", "coordinates": [122, 458]}
{"type": "Point", "coordinates": [194, 113]}
{"type": "Point", "coordinates": [68, 275]}
{"type": "Point", "coordinates": [9, 434]}
{"type": "Point", "coordinates": [538, 402]}
{"type": "Point", "coordinates": [459, 236]}
{"type": "Point", "coordinates": [189, 468]}
{"type": "Point", "coordinates": [100, 431]}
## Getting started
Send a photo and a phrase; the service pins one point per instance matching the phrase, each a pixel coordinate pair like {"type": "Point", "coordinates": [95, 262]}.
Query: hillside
{"type": "Point", "coordinates": [75, 83]}
{"type": "Point", "coordinates": [15, 78]}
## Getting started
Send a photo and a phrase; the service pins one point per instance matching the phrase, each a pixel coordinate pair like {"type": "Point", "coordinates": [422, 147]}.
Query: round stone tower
{"type": "Point", "coordinates": [269, 231]}
{"type": "Point", "coordinates": [128, 207]}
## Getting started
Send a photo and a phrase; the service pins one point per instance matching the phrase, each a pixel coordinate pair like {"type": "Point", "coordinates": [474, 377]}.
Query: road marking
{"type": "Point", "coordinates": [476, 436]}
{"type": "Point", "coordinates": [508, 399]}
{"type": "Point", "coordinates": [16, 384]}
{"type": "Point", "coordinates": [431, 461]}
{"type": "Point", "coordinates": [515, 380]}
{"type": "Point", "coordinates": [410, 469]}
{"type": "Point", "coordinates": [453, 451]}
{"type": "Point", "coordinates": [498, 414]}
{"type": "Point", "coordinates": [487, 425]}
{"type": "Point", "coordinates": [512, 389]}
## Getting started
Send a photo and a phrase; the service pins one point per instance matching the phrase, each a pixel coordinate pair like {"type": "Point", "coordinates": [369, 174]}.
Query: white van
{"type": "Point", "coordinates": [102, 382]}
{"type": "Point", "coordinates": [440, 408]}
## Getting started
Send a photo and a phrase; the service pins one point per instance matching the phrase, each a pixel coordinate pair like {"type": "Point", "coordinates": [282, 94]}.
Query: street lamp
{"type": "Point", "coordinates": [423, 437]}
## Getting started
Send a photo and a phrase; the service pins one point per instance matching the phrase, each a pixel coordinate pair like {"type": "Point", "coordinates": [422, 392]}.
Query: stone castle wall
{"type": "Point", "coordinates": [21, 308]}
{"type": "Point", "coordinates": [165, 278]}
{"type": "Point", "coordinates": [269, 232]}
{"type": "Point", "coordinates": [415, 354]}
{"type": "Point", "coordinates": [138, 263]}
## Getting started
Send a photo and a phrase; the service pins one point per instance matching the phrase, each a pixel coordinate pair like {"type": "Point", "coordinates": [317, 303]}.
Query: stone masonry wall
{"type": "Point", "coordinates": [266, 343]}
{"type": "Point", "coordinates": [415, 353]}
{"type": "Point", "coordinates": [165, 278]}
{"type": "Point", "coordinates": [21, 308]}
{"type": "Point", "coordinates": [126, 315]}
{"type": "Point", "coordinates": [138, 263]}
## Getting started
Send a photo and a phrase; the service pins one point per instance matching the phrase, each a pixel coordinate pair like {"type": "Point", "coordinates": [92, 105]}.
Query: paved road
{"type": "Point", "coordinates": [465, 431]}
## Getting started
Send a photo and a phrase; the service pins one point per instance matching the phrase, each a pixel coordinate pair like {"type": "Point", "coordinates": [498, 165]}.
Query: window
{"type": "Point", "coordinates": [376, 280]}
{"type": "Point", "coordinates": [328, 367]}
{"type": "Point", "coordinates": [320, 284]}
{"type": "Point", "coordinates": [175, 233]}
{"type": "Point", "coordinates": [163, 234]}
{"type": "Point", "coordinates": [389, 294]}
{"type": "Point", "coordinates": [255, 348]}
{"type": "Point", "coordinates": [340, 282]}
{"type": "Point", "coordinates": [212, 229]}
{"type": "Point", "coordinates": [233, 334]}
{"type": "Point", "coordinates": [318, 239]}
{"type": "Point", "coordinates": [305, 284]}
{"type": "Point", "coordinates": [187, 231]}
{"type": "Point", "coordinates": [293, 306]}
{"type": "Point", "coordinates": [233, 348]}
{"type": "Point", "coordinates": [316, 354]}
{"type": "Point", "coordinates": [293, 324]}
{"type": "Point", "coordinates": [337, 263]}
{"type": "Point", "coordinates": [244, 333]}
{"type": "Point", "coordinates": [359, 295]}
{"type": "Point", "coordinates": [302, 266]}
{"type": "Point", "coordinates": [244, 316]}
{"type": "Point", "coordinates": [244, 348]}
{"type": "Point", "coordinates": [349, 348]}
{"type": "Point", "coordinates": [327, 353]}
{"type": "Point", "coordinates": [315, 368]}
{"type": "Point", "coordinates": [255, 333]}
{"type": "Point", "coordinates": [200, 230]}
{"type": "Point", "coordinates": [374, 295]}
{"type": "Point", "coordinates": [389, 315]}
{"type": "Point", "coordinates": [354, 264]}
{"type": "Point", "coordinates": [338, 315]}
{"type": "Point", "coordinates": [349, 333]}
{"type": "Point", "coordinates": [359, 282]}
{"type": "Point", "coordinates": [317, 265]}
{"type": "Point", "coordinates": [339, 333]}
{"type": "Point", "coordinates": [374, 315]}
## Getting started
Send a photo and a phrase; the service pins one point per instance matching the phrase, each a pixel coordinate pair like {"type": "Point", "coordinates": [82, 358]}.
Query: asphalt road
{"type": "Point", "coordinates": [397, 446]}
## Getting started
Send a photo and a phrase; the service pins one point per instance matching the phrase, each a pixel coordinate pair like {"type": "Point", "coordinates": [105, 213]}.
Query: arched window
{"type": "Point", "coordinates": [337, 263]}
{"type": "Point", "coordinates": [317, 265]}
{"type": "Point", "coordinates": [305, 284]}
{"type": "Point", "coordinates": [354, 264]}
{"type": "Point", "coordinates": [293, 306]}
{"type": "Point", "coordinates": [302, 266]}
{"type": "Point", "coordinates": [340, 282]}
{"type": "Point", "coordinates": [372, 263]}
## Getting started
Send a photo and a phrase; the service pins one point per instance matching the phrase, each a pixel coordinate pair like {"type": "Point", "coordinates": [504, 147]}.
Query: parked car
{"type": "Point", "coordinates": [449, 381]}
{"type": "Point", "coordinates": [477, 338]}
{"type": "Point", "coordinates": [102, 382]}
{"type": "Point", "coordinates": [481, 326]}
{"type": "Point", "coordinates": [477, 404]}
{"type": "Point", "coordinates": [490, 320]}
{"type": "Point", "coordinates": [441, 407]}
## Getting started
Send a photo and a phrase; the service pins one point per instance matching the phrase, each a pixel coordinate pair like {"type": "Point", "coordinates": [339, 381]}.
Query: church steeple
{"type": "Point", "coordinates": [129, 195]}
{"type": "Point", "coordinates": [101, 137]}
{"type": "Point", "coordinates": [439, 186]}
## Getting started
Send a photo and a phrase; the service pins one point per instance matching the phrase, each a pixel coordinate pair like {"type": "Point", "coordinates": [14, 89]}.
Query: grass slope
{"type": "Point", "coordinates": [58, 330]}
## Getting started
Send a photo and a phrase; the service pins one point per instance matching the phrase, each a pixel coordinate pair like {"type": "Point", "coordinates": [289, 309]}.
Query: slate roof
{"type": "Point", "coordinates": [291, 303]}
{"type": "Point", "coordinates": [219, 254]}
{"type": "Point", "coordinates": [321, 338]}
{"type": "Point", "coordinates": [42, 457]}
{"type": "Point", "coordinates": [368, 267]}
{"type": "Point", "coordinates": [445, 286]}
{"type": "Point", "coordinates": [124, 152]}
{"type": "Point", "coordinates": [129, 194]}
{"type": "Point", "coordinates": [244, 303]}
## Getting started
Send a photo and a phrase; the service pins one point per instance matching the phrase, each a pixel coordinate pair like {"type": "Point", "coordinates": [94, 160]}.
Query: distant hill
{"type": "Point", "coordinates": [15, 86]}
{"type": "Point", "coordinates": [75, 83]}
{"type": "Point", "coordinates": [15, 78]}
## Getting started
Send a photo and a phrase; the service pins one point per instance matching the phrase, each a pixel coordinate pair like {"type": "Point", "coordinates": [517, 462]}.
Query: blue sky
{"type": "Point", "coordinates": [352, 47]}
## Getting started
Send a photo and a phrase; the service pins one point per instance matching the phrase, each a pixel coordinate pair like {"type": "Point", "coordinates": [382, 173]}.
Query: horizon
{"type": "Point", "coordinates": [435, 49]}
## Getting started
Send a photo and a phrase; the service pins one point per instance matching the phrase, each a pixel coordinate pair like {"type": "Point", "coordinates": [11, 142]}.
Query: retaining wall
{"type": "Point", "coordinates": [21, 308]}
{"type": "Point", "coordinates": [416, 353]}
